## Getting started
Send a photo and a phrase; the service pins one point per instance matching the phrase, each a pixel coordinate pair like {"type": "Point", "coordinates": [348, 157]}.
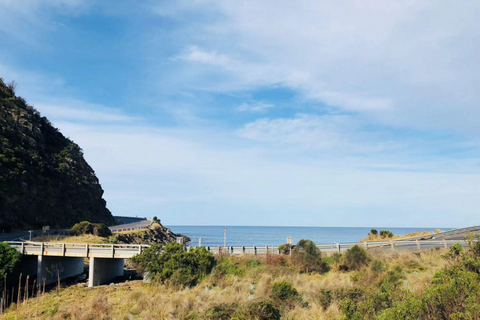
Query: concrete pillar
{"type": "Point", "coordinates": [104, 269]}
{"type": "Point", "coordinates": [49, 267]}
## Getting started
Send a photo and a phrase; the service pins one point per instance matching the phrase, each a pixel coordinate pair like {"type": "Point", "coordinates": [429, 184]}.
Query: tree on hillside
{"type": "Point", "coordinates": [8, 259]}
{"type": "Point", "coordinates": [307, 256]}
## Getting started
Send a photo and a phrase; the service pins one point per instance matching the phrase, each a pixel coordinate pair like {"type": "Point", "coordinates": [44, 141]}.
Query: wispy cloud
{"type": "Point", "coordinates": [255, 106]}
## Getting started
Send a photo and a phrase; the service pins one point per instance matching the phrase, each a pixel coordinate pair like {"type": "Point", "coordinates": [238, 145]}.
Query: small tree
{"type": "Point", "coordinates": [386, 234]}
{"type": "Point", "coordinates": [374, 232]}
{"type": "Point", "coordinates": [172, 264]}
{"type": "Point", "coordinates": [307, 256]}
{"type": "Point", "coordinates": [356, 257]}
{"type": "Point", "coordinates": [85, 227]}
{"type": "Point", "coordinates": [8, 259]}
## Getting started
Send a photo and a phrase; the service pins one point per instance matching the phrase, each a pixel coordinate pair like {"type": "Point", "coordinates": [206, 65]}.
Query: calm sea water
{"type": "Point", "coordinates": [272, 236]}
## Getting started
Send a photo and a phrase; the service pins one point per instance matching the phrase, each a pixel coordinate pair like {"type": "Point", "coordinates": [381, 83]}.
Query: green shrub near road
{"type": "Point", "coordinates": [308, 257]}
{"type": "Point", "coordinates": [8, 259]}
{"type": "Point", "coordinates": [355, 258]}
{"type": "Point", "coordinates": [85, 227]}
{"type": "Point", "coordinates": [173, 265]}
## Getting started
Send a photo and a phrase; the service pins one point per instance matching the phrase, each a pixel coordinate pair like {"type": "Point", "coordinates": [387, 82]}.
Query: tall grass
{"type": "Point", "coordinates": [242, 285]}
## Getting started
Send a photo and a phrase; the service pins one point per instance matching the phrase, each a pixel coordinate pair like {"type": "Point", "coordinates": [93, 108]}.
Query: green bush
{"type": "Point", "coordinates": [307, 256]}
{"type": "Point", "coordinates": [386, 234]}
{"type": "Point", "coordinates": [377, 266]}
{"type": "Point", "coordinates": [259, 310]}
{"type": "Point", "coordinates": [355, 258]}
{"type": "Point", "coordinates": [85, 227]}
{"type": "Point", "coordinates": [285, 248]}
{"type": "Point", "coordinates": [8, 259]}
{"type": "Point", "coordinates": [284, 291]}
{"type": "Point", "coordinates": [172, 264]}
{"type": "Point", "coordinates": [230, 266]}
{"type": "Point", "coordinates": [223, 311]}
{"type": "Point", "coordinates": [374, 232]}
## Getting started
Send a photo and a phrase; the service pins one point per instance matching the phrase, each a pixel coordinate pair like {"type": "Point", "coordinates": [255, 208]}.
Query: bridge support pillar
{"type": "Point", "coordinates": [51, 268]}
{"type": "Point", "coordinates": [103, 270]}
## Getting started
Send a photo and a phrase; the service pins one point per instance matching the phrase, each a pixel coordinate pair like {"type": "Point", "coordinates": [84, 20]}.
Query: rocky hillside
{"type": "Point", "coordinates": [156, 233]}
{"type": "Point", "coordinates": [44, 179]}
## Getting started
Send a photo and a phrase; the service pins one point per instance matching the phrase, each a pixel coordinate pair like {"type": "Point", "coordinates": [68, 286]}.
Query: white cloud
{"type": "Point", "coordinates": [205, 177]}
{"type": "Point", "coordinates": [410, 64]}
{"type": "Point", "coordinates": [255, 106]}
{"type": "Point", "coordinates": [337, 133]}
{"type": "Point", "coordinates": [73, 110]}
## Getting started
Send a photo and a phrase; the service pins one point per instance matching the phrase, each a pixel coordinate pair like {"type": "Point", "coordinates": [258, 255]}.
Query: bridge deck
{"type": "Point", "coordinates": [126, 251]}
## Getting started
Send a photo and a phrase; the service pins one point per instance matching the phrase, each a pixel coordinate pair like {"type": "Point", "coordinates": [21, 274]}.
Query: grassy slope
{"type": "Point", "coordinates": [133, 300]}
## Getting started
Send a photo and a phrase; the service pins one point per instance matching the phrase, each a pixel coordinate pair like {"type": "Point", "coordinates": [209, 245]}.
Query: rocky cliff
{"type": "Point", "coordinates": [44, 179]}
{"type": "Point", "coordinates": [156, 233]}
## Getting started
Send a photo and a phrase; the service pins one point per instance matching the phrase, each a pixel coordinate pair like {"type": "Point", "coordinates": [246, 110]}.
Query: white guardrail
{"type": "Point", "coordinates": [126, 251]}
{"type": "Point", "coordinates": [78, 249]}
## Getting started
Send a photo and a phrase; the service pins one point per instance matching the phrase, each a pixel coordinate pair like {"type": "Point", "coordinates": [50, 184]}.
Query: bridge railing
{"type": "Point", "coordinates": [78, 249]}
{"type": "Point", "coordinates": [129, 250]}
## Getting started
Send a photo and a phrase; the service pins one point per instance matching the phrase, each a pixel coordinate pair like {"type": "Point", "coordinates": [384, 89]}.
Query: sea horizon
{"type": "Point", "coordinates": [213, 235]}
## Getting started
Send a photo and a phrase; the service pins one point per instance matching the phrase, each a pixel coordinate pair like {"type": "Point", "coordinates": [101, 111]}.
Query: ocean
{"type": "Point", "coordinates": [274, 236]}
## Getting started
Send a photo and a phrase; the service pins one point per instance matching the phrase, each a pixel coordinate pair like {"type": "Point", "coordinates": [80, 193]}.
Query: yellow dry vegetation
{"type": "Point", "coordinates": [85, 238]}
{"type": "Point", "coordinates": [373, 237]}
{"type": "Point", "coordinates": [135, 300]}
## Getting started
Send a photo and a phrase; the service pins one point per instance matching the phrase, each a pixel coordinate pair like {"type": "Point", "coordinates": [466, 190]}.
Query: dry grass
{"type": "Point", "coordinates": [135, 300]}
{"type": "Point", "coordinates": [86, 238]}
{"type": "Point", "coordinates": [373, 237]}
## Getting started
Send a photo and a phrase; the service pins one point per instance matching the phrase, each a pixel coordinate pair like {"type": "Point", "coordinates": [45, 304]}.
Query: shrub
{"type": "Point", "coordinates": [284, 291]}
{"type": "Point", "coordinates": [374, 232]}
{"type": "Point", "coordinates": [229, 266]}
{"type": "Point", "coordinates": [262, 310]}
{"type": "Point", "coordinates": [377, 266]}
{"type": "Point", "coordinates": [285, 248]}
{"type": "Point", "coordinates": [174, 265]}
{"type": "Point", "coordinates": [85, 227]}
{"type": "Point", "coordinates": [386, 234]}
{"type": "Point", "coordinates": [223, 311]}
{"type": "Point", "coordinates": [307, 256]}
{"type": "Point", "coordinates": [8, 259]}
{"type": "Point", "coordinates": [355, 258]}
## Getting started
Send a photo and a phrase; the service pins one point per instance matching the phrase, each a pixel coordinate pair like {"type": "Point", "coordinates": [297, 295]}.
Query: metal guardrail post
{"type": "Point", "coordinates": [365, 244]}
{"type": "Point", "coordinates": [243, 250]}
{"type": "Point", "coordinates": [140, 249]}
{"type": "Point", "coordinates": [445, 244]}
{"type": "Point", "coordinates": [113, 251]}
{"type": "Point", "coordinates": [338, 247]}
{"type": "Point", "coordinates": [86, 250]}
{"type": "Point", "coordinates": [254, 250]}
{"type": "Point", "coordinates": [418, 244]}
{"type": "Point", "coordinates": [63, 249]}
{"type": "Point", "coordinates": [23, 247]}
{"type": "Point", "coordinates": [392, 245]}
{"type": "Point", "coordinates": [42, 248]}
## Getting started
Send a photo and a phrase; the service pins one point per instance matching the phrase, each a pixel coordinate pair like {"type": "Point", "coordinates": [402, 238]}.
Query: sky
{"type": "Point", "coordinates": [282, 113]}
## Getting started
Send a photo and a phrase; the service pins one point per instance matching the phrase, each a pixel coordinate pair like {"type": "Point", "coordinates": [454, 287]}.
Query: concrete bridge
{"type": "Point", "coordinates": [50, 261]}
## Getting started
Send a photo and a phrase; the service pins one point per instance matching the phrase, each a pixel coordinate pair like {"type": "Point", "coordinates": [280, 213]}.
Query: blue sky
{"type": "Point", "coordinates": [307, 113]}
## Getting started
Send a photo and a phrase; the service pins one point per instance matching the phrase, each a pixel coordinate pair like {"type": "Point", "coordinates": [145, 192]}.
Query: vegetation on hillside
{"type": "Point", "coordinates": [173, 265]}
{"type": "Point", "coordinates": [386, 235]}
{"type": "Point", "coordinates": [9, 257]}
{"type": "Point", "coordinates": [433, 284]}
{"type": "Point", "coordinates": [44, 179]}
{"type": "Point", "coordinates": [85, 227]}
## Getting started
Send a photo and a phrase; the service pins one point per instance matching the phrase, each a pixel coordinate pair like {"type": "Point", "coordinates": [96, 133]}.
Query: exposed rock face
{"type": "Point", "coordinates": [44, 179]}
{"type": "Point", "coordinates": [155, 234]}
